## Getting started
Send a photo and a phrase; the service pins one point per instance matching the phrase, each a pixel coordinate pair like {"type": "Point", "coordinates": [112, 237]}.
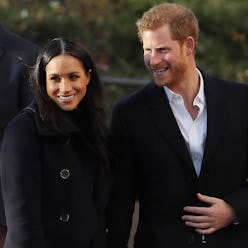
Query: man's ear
{"type": "Point", "coordinates": [190, 45]}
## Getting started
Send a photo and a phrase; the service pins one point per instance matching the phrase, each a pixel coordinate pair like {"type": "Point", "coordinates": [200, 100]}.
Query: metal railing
{"type": "Point", "coordinates": [124, 80]}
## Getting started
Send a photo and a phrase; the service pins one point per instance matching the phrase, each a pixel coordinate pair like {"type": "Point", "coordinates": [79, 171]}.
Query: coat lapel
{"type": "Point", "coordinates": [163, 118]}
{"type": "Point", "coordinates": [215, 118]}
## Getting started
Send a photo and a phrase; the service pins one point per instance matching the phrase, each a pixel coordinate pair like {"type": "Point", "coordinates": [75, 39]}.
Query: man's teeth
{"type": "Point", "coordinates": [159, 70]}
{"type": "Point", "coordinates": [66, 97]}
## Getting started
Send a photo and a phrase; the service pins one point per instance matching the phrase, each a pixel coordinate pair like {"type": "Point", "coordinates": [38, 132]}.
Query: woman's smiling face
{"type": "Point", "coordinates": [66, 81]}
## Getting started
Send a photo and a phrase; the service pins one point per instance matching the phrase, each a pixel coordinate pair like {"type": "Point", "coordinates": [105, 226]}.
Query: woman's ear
{"type": "Point", "coordinates": [88, 73]}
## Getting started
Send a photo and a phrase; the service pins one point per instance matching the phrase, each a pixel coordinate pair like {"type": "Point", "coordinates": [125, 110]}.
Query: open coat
{"type": "Point", "coordinates": [155, 167]}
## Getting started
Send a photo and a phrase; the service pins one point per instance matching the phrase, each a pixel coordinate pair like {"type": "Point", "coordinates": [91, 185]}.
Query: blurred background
{"type": "Point", "coordinates": [107, 28]}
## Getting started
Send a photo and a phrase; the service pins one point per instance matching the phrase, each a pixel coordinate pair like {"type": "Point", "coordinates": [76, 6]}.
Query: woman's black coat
{"type": "Point", "coordinates": [53, 190]}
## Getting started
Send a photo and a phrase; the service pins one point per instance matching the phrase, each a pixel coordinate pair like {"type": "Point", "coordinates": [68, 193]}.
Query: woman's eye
{"type": "Point", "coordinates": [55, 79]}
{"type": "Point", "coordinates": [74, 77]}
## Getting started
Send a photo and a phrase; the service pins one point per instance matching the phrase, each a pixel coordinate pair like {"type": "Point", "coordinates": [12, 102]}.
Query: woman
{"type": "Point", "coordinates": [54, 157]}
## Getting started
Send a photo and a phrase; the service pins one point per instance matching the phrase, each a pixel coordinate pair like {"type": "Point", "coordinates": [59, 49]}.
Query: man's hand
{"type": "Point", "coordinates": [207, 220]}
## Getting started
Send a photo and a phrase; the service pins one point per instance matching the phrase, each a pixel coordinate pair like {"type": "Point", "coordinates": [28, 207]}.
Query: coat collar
{"type": "Point", "coordinates": [66, 127]}
{"type": "Point", "coordinates": [163, 118]}
{"type": "Point", "coordinates": [215, 118]}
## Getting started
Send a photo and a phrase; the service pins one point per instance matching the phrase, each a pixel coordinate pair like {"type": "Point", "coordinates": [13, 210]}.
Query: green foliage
{"type": "Point", "coordinates": [107, 28]}
{"type": "Point", "coordinates": [223, 47]}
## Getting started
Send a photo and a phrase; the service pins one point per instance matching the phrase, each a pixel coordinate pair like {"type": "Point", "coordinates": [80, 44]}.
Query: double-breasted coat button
{"type": "Point", "coordinates": [64, 217]}
{"type": "Point", "coordinates": [64, 173]}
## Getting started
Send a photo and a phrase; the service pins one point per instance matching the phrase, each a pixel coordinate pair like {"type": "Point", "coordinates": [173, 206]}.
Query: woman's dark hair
{"type": "Point", "coordinates": [91, 106]}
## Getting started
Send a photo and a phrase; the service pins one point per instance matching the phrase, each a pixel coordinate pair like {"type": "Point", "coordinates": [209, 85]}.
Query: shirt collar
{"type": "Point", "coordinates": [200, 97]}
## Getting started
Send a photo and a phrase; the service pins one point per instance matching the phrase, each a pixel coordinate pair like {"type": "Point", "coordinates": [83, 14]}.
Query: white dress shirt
{"type": "Point", "coordinates": [193, 131]}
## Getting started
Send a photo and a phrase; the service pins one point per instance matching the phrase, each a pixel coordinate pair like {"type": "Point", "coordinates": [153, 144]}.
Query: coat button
{"type": "Point", "coordinates": [64, 173]}
{"type": "Point", "coordinates": [64, 217]}
{"type": "Point", "coordinates": [191, 240]}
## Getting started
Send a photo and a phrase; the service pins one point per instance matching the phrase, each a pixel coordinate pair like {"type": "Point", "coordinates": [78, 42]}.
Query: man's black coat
{"type": "Point", "coordinates": [16, 56]}
{"type": "Point", "coordinates": [155, 167]}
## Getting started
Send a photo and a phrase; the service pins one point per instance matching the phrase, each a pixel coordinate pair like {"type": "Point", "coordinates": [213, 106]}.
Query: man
{"type": "Point", "coordinates": [180, 145]}
{"type": "Point", "coordinates": [16, 55]}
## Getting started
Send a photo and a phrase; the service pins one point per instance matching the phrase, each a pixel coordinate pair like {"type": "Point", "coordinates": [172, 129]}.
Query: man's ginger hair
{"type": "Point", "coordinates": [182, 21]}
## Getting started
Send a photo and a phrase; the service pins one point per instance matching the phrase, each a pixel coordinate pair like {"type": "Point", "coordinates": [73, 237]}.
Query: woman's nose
{"type": "Point", "coordinates": [65, 86]}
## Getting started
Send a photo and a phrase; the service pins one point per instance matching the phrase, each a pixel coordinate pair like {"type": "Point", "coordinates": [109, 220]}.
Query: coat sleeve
{"type": "Point", "coordinates": [20, 163]}
{"type": "Point", "coordinates": [123, 193]}
{"type": "Point", "coordinates": [239, 198]}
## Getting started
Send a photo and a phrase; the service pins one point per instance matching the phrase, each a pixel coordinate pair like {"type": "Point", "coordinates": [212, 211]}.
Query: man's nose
{"type": "Point", "coordinates": [155, 58]}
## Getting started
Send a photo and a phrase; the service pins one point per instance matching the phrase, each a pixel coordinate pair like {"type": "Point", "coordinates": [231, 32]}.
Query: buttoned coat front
{"type": "Point", "coordinates": [53, 192]}
{"type": "Point", "coordinates": [155, 167]}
